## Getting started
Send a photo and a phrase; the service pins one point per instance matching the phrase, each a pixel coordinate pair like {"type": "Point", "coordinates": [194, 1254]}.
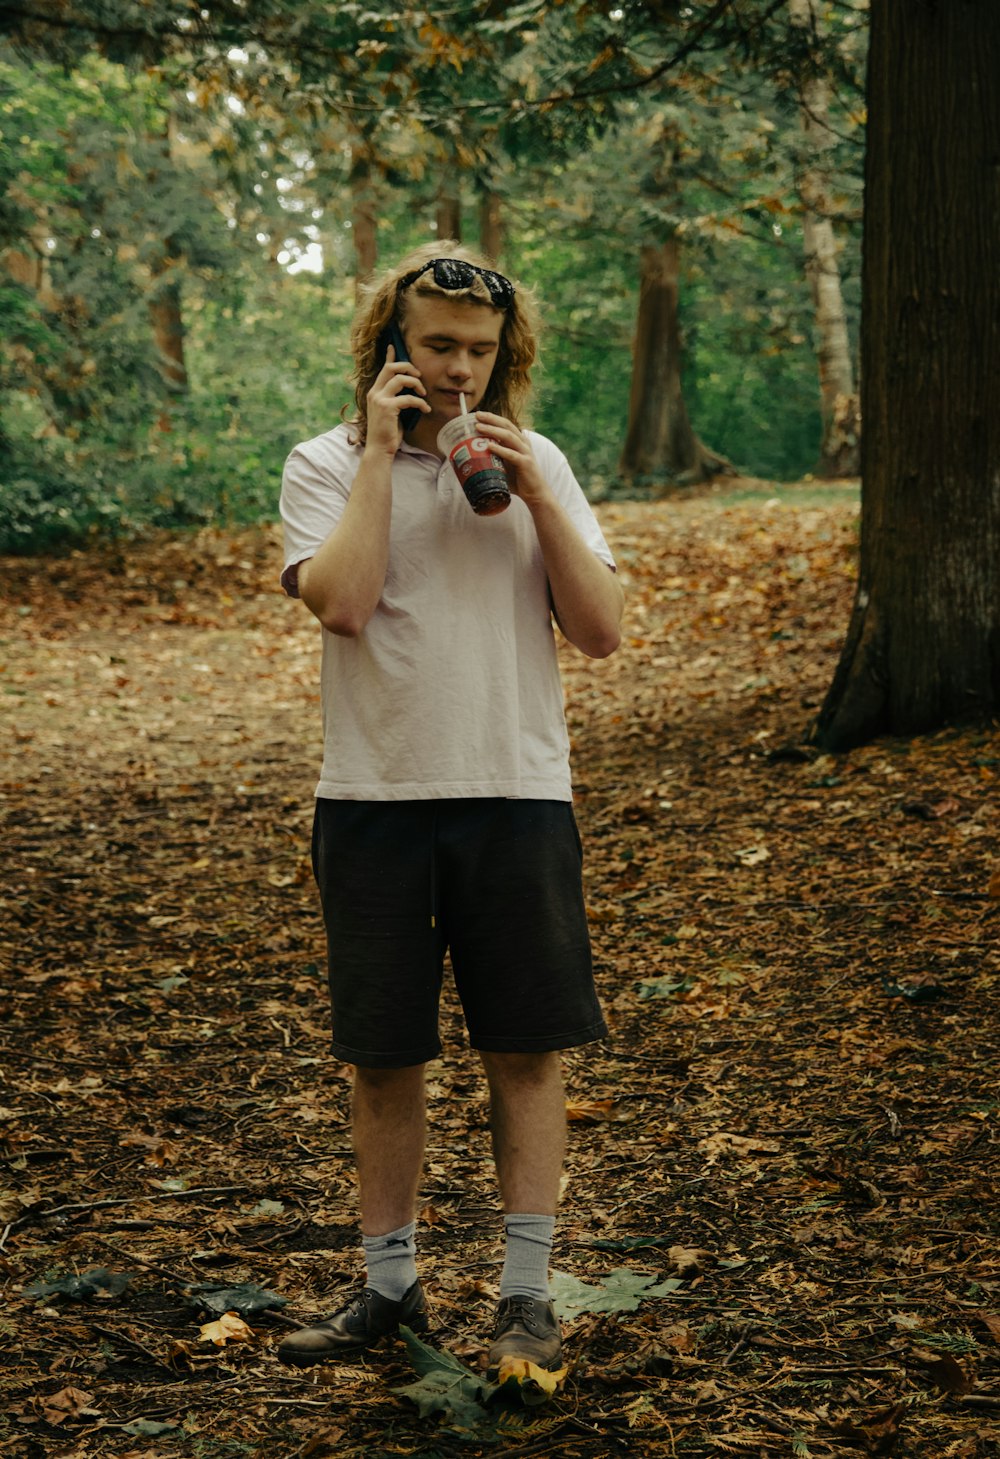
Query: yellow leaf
{"type": "Point", "coordinates": [228, 1328]}
{"type": "Point", "coordinates": [528, 1376]}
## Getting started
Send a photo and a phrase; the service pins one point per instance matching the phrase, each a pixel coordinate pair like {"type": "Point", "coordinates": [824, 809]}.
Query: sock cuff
{"type": "Point", "coordinates": [526, 1227]}
{"type": "Point", "coordinates": [403, 1237]}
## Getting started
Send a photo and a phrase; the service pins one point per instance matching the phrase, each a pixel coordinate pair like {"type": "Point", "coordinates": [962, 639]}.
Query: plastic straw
{"type": "Point", "coordinates": [461, 398]}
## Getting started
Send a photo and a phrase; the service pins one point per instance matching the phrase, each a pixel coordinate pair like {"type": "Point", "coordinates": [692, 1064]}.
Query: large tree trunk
{"type": "Point", "coordinates": [660, 444]}
{"type": "Point", "coordinates": [923, 644]}
{"type": "Point", "coordinates": [840, 451]}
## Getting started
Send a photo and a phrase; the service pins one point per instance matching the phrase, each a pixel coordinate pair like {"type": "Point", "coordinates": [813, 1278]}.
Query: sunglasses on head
{"type": "Point", "coordinates": [455, 273]}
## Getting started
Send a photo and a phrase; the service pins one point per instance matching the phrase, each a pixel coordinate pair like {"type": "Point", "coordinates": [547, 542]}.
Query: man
{"type": "Point", "coordinates": [443, 813]}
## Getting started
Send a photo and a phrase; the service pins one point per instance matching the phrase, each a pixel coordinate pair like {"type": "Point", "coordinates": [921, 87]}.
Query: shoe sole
{"type": "Point", "coordinates": [301, 1359]}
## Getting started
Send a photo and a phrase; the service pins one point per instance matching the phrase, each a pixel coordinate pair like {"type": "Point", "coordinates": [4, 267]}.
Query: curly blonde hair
{"type": "Point", "coordinates": [383, 301]}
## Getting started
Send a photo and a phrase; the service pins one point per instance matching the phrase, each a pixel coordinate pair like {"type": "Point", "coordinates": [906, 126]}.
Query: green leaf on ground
{"type": "Point", "coordinates": [245, 1299]}
{"type": "Point", "coordinates": [98, 1283]}
{"type": "Point", "coordinates": [664, 987]}
{"type": "Point", "coordinates": [621, 1291]}
{"type": "Point", "coordinates": [445, 1386]}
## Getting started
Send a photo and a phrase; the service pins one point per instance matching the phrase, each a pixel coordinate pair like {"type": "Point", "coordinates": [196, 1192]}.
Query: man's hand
{"type": "Point", "coordinates": [586, 596]}
{"type": "Point", "coordinates": [397, 387]}
{"type": "Point", "coordinates": [511, 445]}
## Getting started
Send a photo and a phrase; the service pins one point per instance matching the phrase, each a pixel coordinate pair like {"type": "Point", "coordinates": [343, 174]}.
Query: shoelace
{"type": "Point", "coordinates": [519, 1309]}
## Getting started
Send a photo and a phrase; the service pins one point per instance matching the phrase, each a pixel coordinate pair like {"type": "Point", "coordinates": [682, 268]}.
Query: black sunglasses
{"type": "Point", "coordinates": [455, 273]}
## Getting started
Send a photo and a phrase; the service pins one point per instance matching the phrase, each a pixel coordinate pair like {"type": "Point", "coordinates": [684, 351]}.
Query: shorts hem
{"type": "Point", "coordinates": [547, 1043]}
{"type": "Point", "coordinates": [370, 1059]}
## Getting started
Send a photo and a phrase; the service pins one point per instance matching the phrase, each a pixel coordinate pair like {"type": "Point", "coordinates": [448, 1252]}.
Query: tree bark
{"type": "Point", "coordinates": [164, 305]}
{"type": "Point", "coordinates": [491, 232]}
{"type": "Point", "coordinates": [923, 643]}
{"type": "Point", "coordinates": [448, 212]}
{"type": "Point", "coordinates": [364, 217]}
{"type": "Point", "coordinates": [660, 444]}
{"type": "Point", "coordinates": [840, 451]}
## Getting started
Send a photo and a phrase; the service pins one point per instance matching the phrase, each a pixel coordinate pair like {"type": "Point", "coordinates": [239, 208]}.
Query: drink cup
{"type": "Point", "coordinates": [482, 475]}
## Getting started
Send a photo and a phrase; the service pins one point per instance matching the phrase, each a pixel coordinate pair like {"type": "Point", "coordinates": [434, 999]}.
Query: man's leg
{"type": "Point", "coordinates": [389, 1120]}
{"type": "Point", "coordinates": [528, 1124]}
{"type": "Point", "coordinates": [528, 1121]}
{"type": "Point", "coordinates": [389, 1135]}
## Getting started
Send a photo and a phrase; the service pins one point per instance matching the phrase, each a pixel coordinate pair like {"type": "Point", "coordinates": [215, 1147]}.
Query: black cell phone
{"type": "Point", "coordinates": [394, 336]}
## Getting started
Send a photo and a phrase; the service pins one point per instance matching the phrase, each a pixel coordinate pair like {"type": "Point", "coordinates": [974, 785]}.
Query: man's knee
{"type": "Point", "coordinates": [388, 1087]}
{"type": "Point", "coordinates": [522, 1070]}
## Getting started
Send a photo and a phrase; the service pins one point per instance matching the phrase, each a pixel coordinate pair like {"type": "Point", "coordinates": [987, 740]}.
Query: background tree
{"type": "Point", "coordinates": [923, 644]}
{"type": "Point", "coordinates": [841, 444]}
{"type": "Point", "coordinates": [538, 116]}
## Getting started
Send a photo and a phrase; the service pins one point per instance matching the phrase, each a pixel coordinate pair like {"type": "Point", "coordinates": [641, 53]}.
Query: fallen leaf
{"type": "Point", "coordinates": [687, 1261]}
{"type": "Point", "coordinates": [228, 1328]}
{"type": "Point", "coordinates": [724, 1143]}
{"type": "Point", "coordinates": [533, 1384]}
{"type": "Point", "coordinates": [622, 1291]}
{"type": "Point", "coordinates": [68, 1403]}
{"type": "Point", "coordinates": [444, 1385]}
{"type": "Point", "coordinates": [931, 809]}
{"type": "Point", "coordinates": [993, 890]}
{"type": "Point", "coordinates": [707, 1392]}
{"type": "Point", "coordinates": [97, 1283]}
{"type": "Point", "coordinates": [591, 1111]}
{"type": "Point", "coordinates": [944, 1371]}
{"type": "Point", "coordinates": [879, 1434]}
{"type": "Point", "coordinates": [244, 1299]}
{"type": "Point", "coordinates": [992, 1322]}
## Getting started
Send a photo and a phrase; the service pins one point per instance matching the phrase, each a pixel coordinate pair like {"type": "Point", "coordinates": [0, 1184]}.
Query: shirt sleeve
{"type": "Point", "coordinates": [570, 495]}
{"type": "Point", "coordinates": [315, 486]}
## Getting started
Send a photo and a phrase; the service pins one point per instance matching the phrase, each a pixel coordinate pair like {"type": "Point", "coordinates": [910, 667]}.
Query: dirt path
{"type": "Point", "coordinates": [794, 1125]}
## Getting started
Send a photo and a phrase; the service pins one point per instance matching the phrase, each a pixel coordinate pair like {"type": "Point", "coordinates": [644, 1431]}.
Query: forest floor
{"type": "Point", "coordinates": [779, 1228]}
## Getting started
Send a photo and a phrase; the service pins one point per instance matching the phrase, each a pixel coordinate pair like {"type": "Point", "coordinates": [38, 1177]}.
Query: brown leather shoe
{"type": "Point", "coordinates": [525, 1328]}
{"type": "Point", "coordinates": [352, 1329]}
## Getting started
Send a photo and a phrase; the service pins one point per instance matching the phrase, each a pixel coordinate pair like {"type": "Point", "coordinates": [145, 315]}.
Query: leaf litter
{"type": "Point", "coordinates": [791, 1147]}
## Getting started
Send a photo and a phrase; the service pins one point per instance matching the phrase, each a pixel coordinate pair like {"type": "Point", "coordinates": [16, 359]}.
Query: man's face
{"type": "Point", "coordinates": [454, 346]}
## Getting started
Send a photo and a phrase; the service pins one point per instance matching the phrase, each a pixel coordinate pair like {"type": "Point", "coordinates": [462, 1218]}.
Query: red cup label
{"type": "Point", "coordinates": [473, 455]}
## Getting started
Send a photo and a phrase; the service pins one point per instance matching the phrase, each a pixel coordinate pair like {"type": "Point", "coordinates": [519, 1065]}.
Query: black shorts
{"type": "Point", "coordinates": [496, 882]}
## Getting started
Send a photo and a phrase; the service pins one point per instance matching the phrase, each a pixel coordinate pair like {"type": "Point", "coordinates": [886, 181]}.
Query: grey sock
{"type": "Point", "coordinates": [526, 1264]}
{"type": "Point", "coordinates": [392, 1262]}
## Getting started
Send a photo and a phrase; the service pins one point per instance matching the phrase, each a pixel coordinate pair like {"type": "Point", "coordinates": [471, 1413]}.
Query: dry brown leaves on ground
{"type": "Point", "coordinates": [783, 1167]}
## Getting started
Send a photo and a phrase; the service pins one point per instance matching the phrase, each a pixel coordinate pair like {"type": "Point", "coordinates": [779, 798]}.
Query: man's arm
{"type": "Point", "coordinates": [343, 581]}
{"type": "Point", "coordinates": [586, 594]}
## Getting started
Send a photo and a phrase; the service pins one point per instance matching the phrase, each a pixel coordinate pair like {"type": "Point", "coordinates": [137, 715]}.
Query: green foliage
{"type": "Point", "coordinates": [444, 1386]}
{"type": "Point", "coordinates": [269, 144]}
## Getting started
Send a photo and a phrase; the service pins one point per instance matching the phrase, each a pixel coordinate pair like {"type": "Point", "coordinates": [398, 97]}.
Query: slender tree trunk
{"type": "Point", "coordinates": [168, 326]}
{"type": "Point", "coordinates": [840, 452]}
{"type": "Point", "coordinates": [448, 211]}
{"type": "Point", "coordinates": [364, 217]}
{"type": "Point", "coordinates": [491, 232]}
{"type": "Point", "coordinates": [660, 443]}
{"type": "Point", "coordinates": [165, 311]}
{"type": "Point", "coordinates": [923, 643]}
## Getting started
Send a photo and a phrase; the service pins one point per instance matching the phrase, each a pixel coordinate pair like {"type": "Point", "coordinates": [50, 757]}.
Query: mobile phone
{"type": "Point", "coordinates": [394, 336]}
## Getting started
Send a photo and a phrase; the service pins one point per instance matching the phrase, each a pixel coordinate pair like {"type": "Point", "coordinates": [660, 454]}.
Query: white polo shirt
{"type": "Point", "coordinates": [453, 687]}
